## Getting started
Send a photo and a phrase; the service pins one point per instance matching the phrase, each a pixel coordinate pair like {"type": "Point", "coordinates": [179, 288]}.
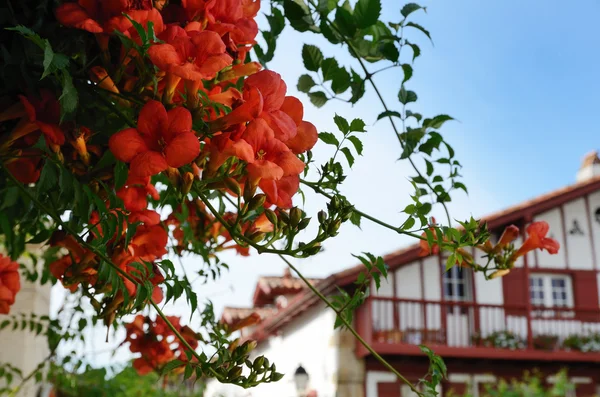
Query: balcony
{"type": "Point", "coordinates": [472, 330]}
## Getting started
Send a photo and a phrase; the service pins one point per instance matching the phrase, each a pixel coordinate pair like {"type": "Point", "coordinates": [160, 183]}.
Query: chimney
{"type": "Point", "coordinates": [590, 167]}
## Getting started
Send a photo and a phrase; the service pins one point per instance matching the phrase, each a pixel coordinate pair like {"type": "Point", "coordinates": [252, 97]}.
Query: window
{"type": "Point", "coordinates": [551, 290]}
{"type": "Point", "coordinates": [456, 284]}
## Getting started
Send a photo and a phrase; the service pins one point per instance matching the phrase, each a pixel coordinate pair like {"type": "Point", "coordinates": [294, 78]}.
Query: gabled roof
{"type": "Point", "coordinates": [520, 213]}
{"type": "Point", "coordinates": [269, 287]}
{"type": "Point", "coordinates": [233, 314]}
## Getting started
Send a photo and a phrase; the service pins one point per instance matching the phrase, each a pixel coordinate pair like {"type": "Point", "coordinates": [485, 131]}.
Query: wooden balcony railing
{"type": "Point", "coordinates": [394, 321]}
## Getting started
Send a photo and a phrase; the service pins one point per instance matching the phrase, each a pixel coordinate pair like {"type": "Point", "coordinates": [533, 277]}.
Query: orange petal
{"type": "Point", "coordinates": [263, 169]}
{"type": "Point", "coordinates": [153, 121]}
{"type": "Point", "coordinates": [294, 108]}
{"type": "Point", "coordinates": [305, 138]}
{"type": "Point", "coordinates": [182, 149]}
{"type": "Point", "coordinates": [126, 144]}
{"type": "Point", "coordinates": [72, 15]}
{"type": "Point", "coordinates": [180, 120]}
{"type": "Point", "coordinates": [290, 164]}
{"type": "Point", "coordinates": [148, 163]}
{"type": "Point", "coordinates": [164, 56]}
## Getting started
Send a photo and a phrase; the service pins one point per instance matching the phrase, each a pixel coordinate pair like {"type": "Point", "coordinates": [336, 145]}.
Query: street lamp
{"type": "Point", "coordinates": [301, 380]}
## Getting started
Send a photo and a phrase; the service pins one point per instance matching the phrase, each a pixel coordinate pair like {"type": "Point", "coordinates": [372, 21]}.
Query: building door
{"type": "Point", "coordinates": [457, 288]}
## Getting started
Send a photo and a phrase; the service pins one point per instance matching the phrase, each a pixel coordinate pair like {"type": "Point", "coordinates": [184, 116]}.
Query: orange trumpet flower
{"type": "Point", "coordinates": [162, 140]}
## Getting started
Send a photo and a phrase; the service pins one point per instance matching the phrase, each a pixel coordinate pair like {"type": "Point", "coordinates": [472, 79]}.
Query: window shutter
{"type": "Point", "coordinates": [585, 293]}
{"type": "Point", "coordinates": [515, 292]}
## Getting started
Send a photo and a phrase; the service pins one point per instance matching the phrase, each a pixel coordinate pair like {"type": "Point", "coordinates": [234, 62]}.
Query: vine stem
{"type": "Point", "coordinates": [349, 327]}
{"type": "Point", "coordinates": [109, 261]}
{"type": "Point", "coordinates": [369, 77]}
{"type": "Point", "coordinates": [377, 221]}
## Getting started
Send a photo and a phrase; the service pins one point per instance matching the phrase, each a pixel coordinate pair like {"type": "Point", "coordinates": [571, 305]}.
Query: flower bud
{"type": "Point", "coordinates": [259, 362]}
{"type": "Point", "coordinates": [174, 176]}
{"type": "Point", "coordinates": [271, 216]}
{"type": "Point", "coordinates": [257, 237]}
{"type": "Point", "coordinates": [284, 218]}
{"type": "Point", "coordinates": [322, 216]}
{"type": "Point", "coordinates": [188, 180]}
{"type": "Point", "coordinates": [249, 190]}
{"type": "Point", "coordinates": [499, 273]}
{"type": "Point", "coordinates": [248, 346]}
{"type": "Point", "coordinates": [335, 203]}
{"type": "Point", "coordinates": [233, 185]}
{"type": "Point", "coordinates": [234, 372]}
{"type": "Point", "coordinates": [334, 227]}
{"type": "Point", "coordinates": [295, 215]}
{"type": "Point", "coordinates": [313, 250]}
{"type": "Point", "coordinates": [256, 201]}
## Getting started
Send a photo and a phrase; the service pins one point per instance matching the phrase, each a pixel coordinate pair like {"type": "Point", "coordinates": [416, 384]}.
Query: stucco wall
{"type": "Point", "coordinates": [308, 340]}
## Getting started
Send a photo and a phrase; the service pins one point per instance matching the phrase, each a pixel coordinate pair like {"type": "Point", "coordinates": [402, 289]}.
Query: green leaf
{"type": "Point", "coordinates": [389, 113]}
{"type": "Point", "coordinates": [410, 8]}
{"type": "Point", "coordinates": [298, 14]}
{"type": "Point", "coordinates": [329, 68]}
{"type": "Point", "coordinates": [341, 123]}
{"type": "Point", "coordinates": [326, 6]}
{"type": "Point", "coordinates": [432, 143]}
{"type": "Point", "coordinates": [69, 98]}
{"type": "Point", "coordinates": [357, 125]}
{"type": "Point", "coordinates": [48, 178]}
{"type": "Point", "coordinates": [437, 121]}
{"type": "Point", "coordinates": [357, 87]}
{"type": "Point", "coordinates": [276, 21]}
{"type": "Point", "coordinates": [357, 144]}
{"type": "Point", "coordinates": [305, 83]}
{"type": "Point", "coordinates": [366, 12]}
{"type": "Point", "coordinates": [318, 98]}
{"type": "Point", "coordinates": [341, 81]}
{"type": "Point", "coordinates": [429, 166]}
{"type": "Point", "coordinates": [406, 96]}
{"type": "Point", "coordinates": [424, 209]}
{"type": "Point", "coordinates": [171, 365]}
{"type": "Point", "coordinates": [390, 51]}
{"type": "Point", "coordinates": [410, 222]}
{"type": "Point", "coordinates": [329, 138]}
{"type": "Point", "coordinates": [312, 57]}
{"type": "Point", "coordinates": [355, 218]}
{"type": "Point", "coordinates": [52, 61]}
{"type": "Point", "coordinates": [348, 155]}
{"type": "Point", "coordinates": [417, 116]}
{"type": "Point", "coordinates": [345, 22]}
{"type": "Point", "coordinates": [460, 185]}
{"type": "Point", "coordinates": [329, 33]}
{"type": "Point", "coordinates": [419, 27]}
{"type": "Point", "coordinates": [408, 72]}
{"type": "Point", "coordinates": [450, 262]}
{"type": "Point", "coordinates": [416, 49]}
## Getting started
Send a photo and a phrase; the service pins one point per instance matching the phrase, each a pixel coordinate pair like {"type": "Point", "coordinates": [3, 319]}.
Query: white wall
{"type": "Point", "coordinates": [579, 247]}
{"type": "Point", "coordinates": [594, 204]}
{"type": "Point", "coordinates": [309, 340]}
{"type": "Point", "coordinates": [408, 281]}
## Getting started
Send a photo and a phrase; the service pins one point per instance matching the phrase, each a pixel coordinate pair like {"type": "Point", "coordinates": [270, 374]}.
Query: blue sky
{"type": "Point", "coordinates": [520, 76]}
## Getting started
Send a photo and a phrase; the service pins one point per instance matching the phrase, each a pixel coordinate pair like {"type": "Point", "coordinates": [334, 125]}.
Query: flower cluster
{"type": "Point", "coordinates": [195, 114]}
{"type": "Point", "coordinates": [156, 342]}
{"type": "Point", "coordinates": [503, 253]}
